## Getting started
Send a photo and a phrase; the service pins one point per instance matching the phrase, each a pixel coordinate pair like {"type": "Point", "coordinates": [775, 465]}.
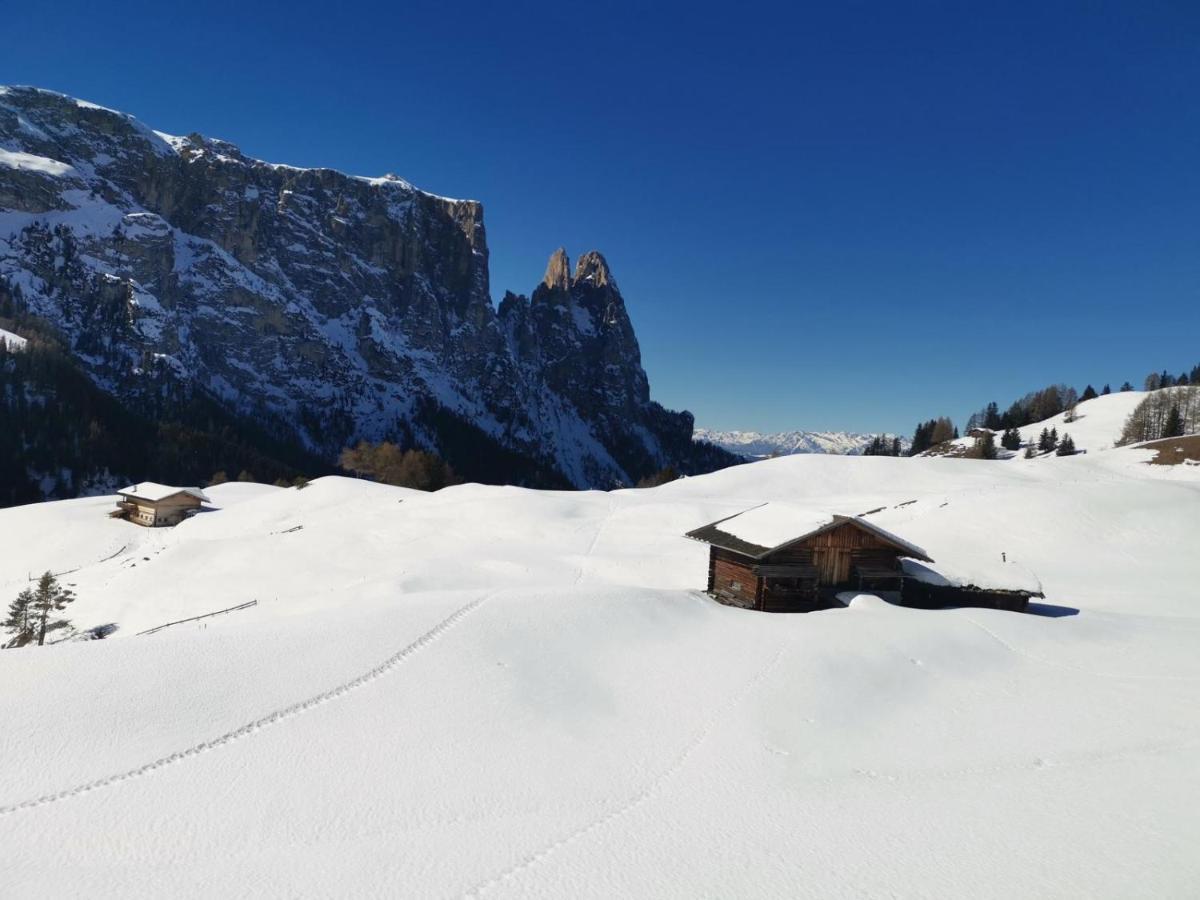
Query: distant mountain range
{"type": "Point", "coordinates": [756, 444]}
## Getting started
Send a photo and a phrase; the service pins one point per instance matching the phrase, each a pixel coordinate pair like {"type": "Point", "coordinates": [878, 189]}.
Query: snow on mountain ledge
{"type": "Point", "coordinates": [31, 163]}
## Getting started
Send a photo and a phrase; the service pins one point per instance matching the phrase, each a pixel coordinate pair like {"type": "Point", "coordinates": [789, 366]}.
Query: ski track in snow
{"type": "Point", "coordinates": [587, 554]}
{"type": "Point", "coordinates": [649, 792]}
{"type": "Point", "coordinates": [266, 721]}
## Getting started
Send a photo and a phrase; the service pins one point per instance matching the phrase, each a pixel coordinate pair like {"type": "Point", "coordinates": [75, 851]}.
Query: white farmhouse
{"type": "Point", "coordinates": [152, 504]}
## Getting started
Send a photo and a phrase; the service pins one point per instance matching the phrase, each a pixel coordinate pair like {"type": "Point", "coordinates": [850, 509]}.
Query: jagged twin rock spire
{"type": "Point", "coordinates": [591, 267]}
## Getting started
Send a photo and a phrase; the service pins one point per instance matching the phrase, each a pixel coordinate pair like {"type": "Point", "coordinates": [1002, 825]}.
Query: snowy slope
{"type": "Point", "coordinates": [12, 341]}
{"type": "Point", "coordinates": [756, 443]}
{"type": "Point", "coordinates": [1097, 426]}
{"type": "Point", "coordinates": [1098, 422]}
{"type": "Point", "coordinates": [507, 693]}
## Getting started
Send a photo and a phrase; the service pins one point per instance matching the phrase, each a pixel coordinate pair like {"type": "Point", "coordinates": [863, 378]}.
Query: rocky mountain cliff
{"type": "Point", "coordinates": [326, 307]}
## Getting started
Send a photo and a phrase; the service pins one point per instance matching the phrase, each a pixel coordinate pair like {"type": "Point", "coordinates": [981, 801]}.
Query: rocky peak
{"type": "Point", "coordinates": [330, 307]}
{"type": "Point", "coordinates": [558, 271]}
{"type": "Point", "coordinates": [592, 269]}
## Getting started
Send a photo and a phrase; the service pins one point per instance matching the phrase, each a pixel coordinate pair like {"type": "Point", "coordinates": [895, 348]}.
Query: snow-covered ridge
{"type": "Point", "coordinates": [216, 148]}
{"type": "Point", "coordinates": [758, 444]}
{"type": "Point", "coordinates": [226, 152]}
{"type": "Point", "coordinates": [12, 341]}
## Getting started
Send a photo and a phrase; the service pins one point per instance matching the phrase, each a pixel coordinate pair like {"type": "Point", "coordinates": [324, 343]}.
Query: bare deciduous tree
{"type": "Point", "coordinates": [1149, 421]}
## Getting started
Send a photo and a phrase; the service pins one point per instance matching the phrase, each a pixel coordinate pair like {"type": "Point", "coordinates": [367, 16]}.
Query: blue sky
{"type": "Point", "coordinates": [825, 216]}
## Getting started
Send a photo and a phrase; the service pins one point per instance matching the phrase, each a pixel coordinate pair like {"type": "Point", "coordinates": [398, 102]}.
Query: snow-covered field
{"type": "Point", "coordinates": [507, 693]}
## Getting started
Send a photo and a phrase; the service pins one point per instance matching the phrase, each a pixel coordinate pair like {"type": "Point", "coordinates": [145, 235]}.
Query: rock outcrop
{"type": "Point", "coordinates": [328, 307]}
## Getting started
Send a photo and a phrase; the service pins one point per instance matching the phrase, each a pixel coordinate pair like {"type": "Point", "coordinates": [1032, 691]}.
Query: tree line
{"type": "Point", "coordinates": [387, 463]}
{"type": "Point", "coordinates": [1170, 412]}
{"type": "Point", "coordinates": [1152, 419]}
{"type": "Point", "coordinates": [883, 445]}
{"type": "Point", "coordinates": [930, 434]}
{"type": "Point", "coordinates": [1056, 399]}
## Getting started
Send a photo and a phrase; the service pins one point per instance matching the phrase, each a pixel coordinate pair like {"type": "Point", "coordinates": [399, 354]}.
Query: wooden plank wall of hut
{"type": "Point", "coordinates": [731, 580]}
{"type": "Point", "coordinates": [836, 552]}
{"type": "Point", "coordinates": [847, 537]}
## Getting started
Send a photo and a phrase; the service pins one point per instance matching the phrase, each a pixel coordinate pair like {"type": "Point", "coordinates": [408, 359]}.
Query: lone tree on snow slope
{"type": "Point", "coordinates": [30, 614]}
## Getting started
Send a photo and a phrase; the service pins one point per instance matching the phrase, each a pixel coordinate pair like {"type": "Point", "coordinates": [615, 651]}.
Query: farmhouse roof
{"type": "Point", "coordinates": [763, 529]}
{"type": "Point", "coordinates": [152, 491]}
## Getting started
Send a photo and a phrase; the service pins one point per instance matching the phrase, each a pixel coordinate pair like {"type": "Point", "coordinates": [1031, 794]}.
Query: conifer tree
{"type": "Point", "coordinates": [1089, 393]}
{"type": "Point", "coordinates": [1029, 452]}
{"type": "Point", "coordinates": [1053, 438]}
{"type": "Point", "coordinates": [19, 623]}
{"type": "Point", "coordinates": [920, 441]}
{"type": "Point", "coordinates": [1174, 423]}
{"type": "Point", "coordinates": [1127, 386]}
{"type": "Point", "coordinates": [991, 416]}
{"type": "Point", "coordinates": [1107, 390]}
{"type": "Point", "coordinates": [1011, 439]}
{"type": "Point", "coordinates": [1044, 441]}
{"type": "Point", "coordinates": [48, 598]}
{"type": "Point", "coordinates": [1066, 447]}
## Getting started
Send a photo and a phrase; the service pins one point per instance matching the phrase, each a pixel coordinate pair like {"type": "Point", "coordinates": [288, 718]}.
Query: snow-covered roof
{"type": "Point", "coordinates": [763, 529]}
{"type": "Point", "coordinates": [978, 574]}
{"type": "Point", "coordinates": [153, 491]}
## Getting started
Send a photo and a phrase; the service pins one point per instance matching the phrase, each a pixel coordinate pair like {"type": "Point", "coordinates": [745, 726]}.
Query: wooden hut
{"type": "Point", "coordinates": [779, 558]}
{"type": "Point", "coordinates": [155, 505]}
